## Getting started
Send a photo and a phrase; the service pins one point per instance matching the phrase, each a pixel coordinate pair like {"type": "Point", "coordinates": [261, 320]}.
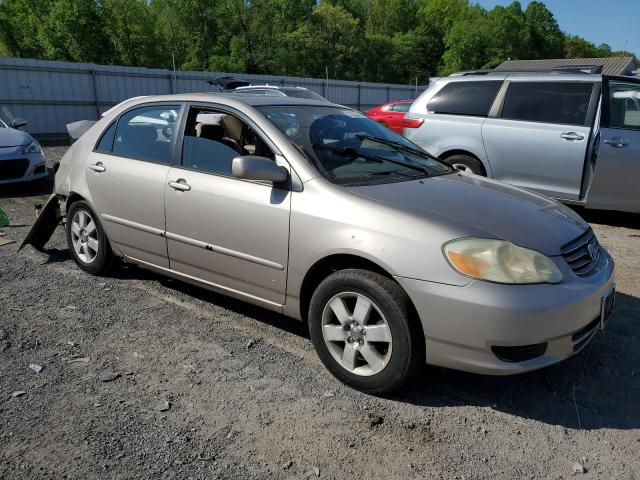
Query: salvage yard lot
{"type": "Point", "coordinates": [145, 377]}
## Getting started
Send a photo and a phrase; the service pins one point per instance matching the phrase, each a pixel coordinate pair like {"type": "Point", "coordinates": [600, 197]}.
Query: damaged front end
{"type": "Point", "coordinates": [46, 223]}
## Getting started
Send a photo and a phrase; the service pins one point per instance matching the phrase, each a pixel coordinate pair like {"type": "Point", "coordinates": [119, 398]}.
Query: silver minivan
{"type": "Point", "coordinates": [315, 211]}
{"type": "Point", "coordinates": [569, 135]}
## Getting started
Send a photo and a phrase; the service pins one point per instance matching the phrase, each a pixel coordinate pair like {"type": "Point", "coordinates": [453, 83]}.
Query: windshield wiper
{"type": "Point", "coordinates": [353, 154]}
{"type": "Point", "coordinates": [398, 145]}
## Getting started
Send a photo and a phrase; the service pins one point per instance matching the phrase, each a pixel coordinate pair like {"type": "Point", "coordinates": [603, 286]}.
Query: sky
{"type": "Point", "coordinates": [614, 22]}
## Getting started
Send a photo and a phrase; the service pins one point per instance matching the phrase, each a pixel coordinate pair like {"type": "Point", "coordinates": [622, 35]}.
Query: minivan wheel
{"type": "Point", "coordinates": [86, 239]}
{"type": "Point", "coordinates": [465, 164]}
{"type": "Point", "coordinates": [363, 328]}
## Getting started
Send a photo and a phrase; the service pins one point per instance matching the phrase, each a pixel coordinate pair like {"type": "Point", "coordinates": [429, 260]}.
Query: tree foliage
{"type": "Point", "coordinates": [375, 40]}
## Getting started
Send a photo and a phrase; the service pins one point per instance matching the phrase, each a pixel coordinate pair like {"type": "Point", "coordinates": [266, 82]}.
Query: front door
{"type": "Point", "coordinates": [616, 179]}
{"type": "Point", "coordinates": [540, 139]}
{"type": "Point", "coordinates": [231, 233]}
{"type": "Point", "coordinates": [127, 173]}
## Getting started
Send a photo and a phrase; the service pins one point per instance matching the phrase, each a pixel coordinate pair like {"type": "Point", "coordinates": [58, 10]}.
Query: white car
{"type": "Point", "coordinates": [21, 157]}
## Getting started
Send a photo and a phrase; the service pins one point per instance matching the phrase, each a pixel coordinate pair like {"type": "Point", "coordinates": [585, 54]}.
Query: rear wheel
{"type": "Point", "coordinates": [87, 240]}
{"type": "Point", "coordinates": [466, 164]}
{"type": "Point", "coordinates": [364, 331]}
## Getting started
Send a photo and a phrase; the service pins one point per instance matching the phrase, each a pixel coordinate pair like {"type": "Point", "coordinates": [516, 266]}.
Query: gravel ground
{"type": "Point", "coordinates": [145, 377]}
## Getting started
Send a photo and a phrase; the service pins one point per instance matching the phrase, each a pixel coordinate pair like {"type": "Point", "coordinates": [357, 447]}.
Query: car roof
{"type": "Point", "coordinates": [274, 87]}
{"type": "Point", "coordinates": [524, 76]}
{"type": "Point", "coordinates": [231, 99]}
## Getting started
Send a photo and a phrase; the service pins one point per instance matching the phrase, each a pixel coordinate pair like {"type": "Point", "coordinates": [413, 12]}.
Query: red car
{"type": "Point", "coordinates": [390, 114]}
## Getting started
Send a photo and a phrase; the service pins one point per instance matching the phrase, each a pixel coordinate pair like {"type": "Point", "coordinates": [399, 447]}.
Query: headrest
{"type": "Point", "coordinates": [210, 131]}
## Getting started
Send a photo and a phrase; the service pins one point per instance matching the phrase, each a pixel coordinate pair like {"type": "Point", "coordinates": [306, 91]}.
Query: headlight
{"type": "Point", "coordinates": [500, 261]}
{"type": "Point", "coordinates": [33, 147]}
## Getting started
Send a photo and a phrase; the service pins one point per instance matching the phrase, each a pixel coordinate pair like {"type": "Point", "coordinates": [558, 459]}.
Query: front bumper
{"type": "Point", "coordinates": [463, 324]}
{"type": "Point", "coordinates": [16, 167]}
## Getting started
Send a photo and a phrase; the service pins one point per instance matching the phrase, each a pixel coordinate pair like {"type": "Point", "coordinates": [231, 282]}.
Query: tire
{"type": "Point", "coordinates": [466, 163]}
{"type": "Point", "coordinates": [86, 239]}
{"type": "Point", "coordinates": [397, 351]}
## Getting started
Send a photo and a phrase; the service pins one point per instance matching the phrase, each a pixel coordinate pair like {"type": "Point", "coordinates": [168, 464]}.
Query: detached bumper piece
{"type": "Point", "coordinates": [45, 225]}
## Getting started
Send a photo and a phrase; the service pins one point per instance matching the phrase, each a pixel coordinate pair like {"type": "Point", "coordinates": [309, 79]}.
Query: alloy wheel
{"type": "Point", "coordinates": [357, 333]}
{"type": "Point", "coordinates": [84, 236]}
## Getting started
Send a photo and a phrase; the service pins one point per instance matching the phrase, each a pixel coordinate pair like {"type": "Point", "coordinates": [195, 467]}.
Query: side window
{"type": "Point", "coordinates": [401, 107]}
{"type": "Point", "coordinates": [146, 133]}
{"type": "Point", "coordinates": [465, 98]}
{"type": "Point", "coordinates": [624, 105]}
{"type": "Point", "coordinates": [565, 103]}
{"type": "Point", "coordinates": [212, 139]}
{"type": "Point", "coordinates": [105, 145]}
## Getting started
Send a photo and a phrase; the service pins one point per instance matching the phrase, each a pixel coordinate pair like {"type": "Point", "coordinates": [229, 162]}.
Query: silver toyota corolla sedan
{"type": "Point", "coordinates": [313, 210]}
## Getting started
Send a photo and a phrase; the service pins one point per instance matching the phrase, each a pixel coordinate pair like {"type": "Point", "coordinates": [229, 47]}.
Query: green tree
{"type": "Point", "coordinates": [74, 30]}
{"type": "Point", "coordinates": [546, 40]}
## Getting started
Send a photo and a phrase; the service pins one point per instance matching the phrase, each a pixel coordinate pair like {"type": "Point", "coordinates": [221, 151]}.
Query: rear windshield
{"type": "Point", "coordinates": [465, 98]}
{"type": "Point", "coordinates": [308, 94]}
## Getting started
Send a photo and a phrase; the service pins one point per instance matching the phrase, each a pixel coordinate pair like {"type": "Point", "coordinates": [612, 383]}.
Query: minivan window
{"type": "Point", "coordinates": [465, 98]}
{"type": "Point", "coordinates": [146, 133]}
{"type": "Point", "coordinates": [564, 103]}
{"type": "Point", "coordinates": [624, 105]}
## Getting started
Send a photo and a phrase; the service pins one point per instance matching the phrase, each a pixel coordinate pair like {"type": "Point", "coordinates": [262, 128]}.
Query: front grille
{"type": "Point", "coordinates": [11, 169]}
{"type": "Point", "coordinates": [582, 336]}
{"type": "Point", "coordinates": [520, 353]}
{"type": "Point", "coordinates": [584, 254]}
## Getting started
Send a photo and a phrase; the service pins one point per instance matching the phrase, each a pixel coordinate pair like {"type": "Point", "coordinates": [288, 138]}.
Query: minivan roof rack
{"type": "Point", "coordinates": [568, 69]}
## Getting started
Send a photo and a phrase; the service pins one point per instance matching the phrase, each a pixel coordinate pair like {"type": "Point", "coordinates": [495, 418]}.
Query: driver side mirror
{"type": "Point", "coordinates": [18, 123]}
{"type": "Point", "coordinates": [251, 167]}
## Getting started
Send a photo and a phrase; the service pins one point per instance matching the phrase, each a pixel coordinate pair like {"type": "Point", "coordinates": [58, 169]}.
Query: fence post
{"type": "Point", "coordinates": [358, 97]}
{"type": "Point", "coordinates": [172, 88]}
{"type": "Point", "coordinates": [388, 94]}
{"type": "Point", "coordinates": [96, 96]}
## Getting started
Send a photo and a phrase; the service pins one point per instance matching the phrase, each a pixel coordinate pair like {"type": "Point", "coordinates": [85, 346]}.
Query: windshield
{"type": "Point", "coordinates": [349, 148]}
{"type": "Point", "coordinates": [308, 94]}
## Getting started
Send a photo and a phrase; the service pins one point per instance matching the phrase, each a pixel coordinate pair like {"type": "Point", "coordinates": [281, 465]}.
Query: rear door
{"type": "Point", "coordinates": [127, 173]}
{"type": "Point", "coordinates": [616, 178]}
{"type": "Point", "coordinates": [539, 136]}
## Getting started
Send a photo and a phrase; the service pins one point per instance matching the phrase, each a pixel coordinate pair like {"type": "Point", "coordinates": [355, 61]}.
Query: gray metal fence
{"type": "Point", "coordinates": [51, 94]}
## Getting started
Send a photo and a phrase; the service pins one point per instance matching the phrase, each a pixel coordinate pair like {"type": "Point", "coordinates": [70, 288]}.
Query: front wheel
{"type": "Point", "coordinates": [364, 331]}
{"type": "Point", "coordinates": [86, 239]}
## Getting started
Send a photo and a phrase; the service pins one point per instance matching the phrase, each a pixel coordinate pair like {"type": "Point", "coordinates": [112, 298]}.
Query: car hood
{"type": "Point", "coordinates": [10, 137]}
{"type": "Point", "coordinates": [477, 206]}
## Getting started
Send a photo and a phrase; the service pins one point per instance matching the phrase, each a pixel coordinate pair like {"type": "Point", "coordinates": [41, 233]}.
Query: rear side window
{"type": "Point", "coordinates": [105, 145]}
{"type": "Point", "coordinates": [146, 133]}
{"type": "Point", "coordinates": [401, 107]}
{"type": "Point", "coordinates": [465, 98]}
{"type": "Point", "coordinates": [548, 102]}
{"type": "Point", "coordinates": [624, 105]}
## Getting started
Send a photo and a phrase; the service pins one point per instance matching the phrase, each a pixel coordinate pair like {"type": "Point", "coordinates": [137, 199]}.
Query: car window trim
{"type": "Point", "coordinates": [593, 103]}
{"type": "Point", "coordinates": [171, 160]}
{"type": "Point", "coordinates": [231, 111]}
{"type": "Point", "coordinates": [605, 120]}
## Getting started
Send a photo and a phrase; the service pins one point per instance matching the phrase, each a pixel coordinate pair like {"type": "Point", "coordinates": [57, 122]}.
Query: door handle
{"type": "Point", "coordinates": [616, 142]}
{"type": "Point", "coordinates": [181, 185]}
{"type": "Point", "coordinates": [572, 136]}
{"type": "Point", "coordinates": [97, 167]}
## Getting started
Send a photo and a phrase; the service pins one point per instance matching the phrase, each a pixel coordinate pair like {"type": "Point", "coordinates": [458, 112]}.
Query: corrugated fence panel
{"type": "Point", "coordinates": [51, 94]}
